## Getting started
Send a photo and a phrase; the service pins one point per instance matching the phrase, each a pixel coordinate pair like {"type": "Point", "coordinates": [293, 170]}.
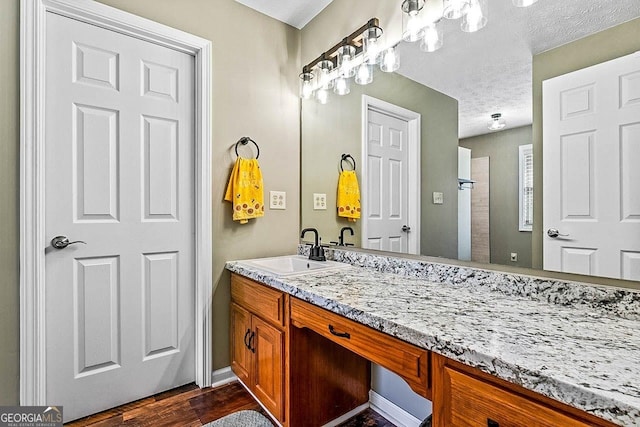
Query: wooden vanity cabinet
{"type": "Point", "coordinates": [467, 397]}
{"type": "Point", "coordinates": [258, 338]}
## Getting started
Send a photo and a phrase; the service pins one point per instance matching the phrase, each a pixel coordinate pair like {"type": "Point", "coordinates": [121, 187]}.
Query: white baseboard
{"type": "Point", "coordinates": [222, 376]}
{"type": "Point", "coordinates": [346, 416]}
{"type": "Point", "coordinates": [391, 411]}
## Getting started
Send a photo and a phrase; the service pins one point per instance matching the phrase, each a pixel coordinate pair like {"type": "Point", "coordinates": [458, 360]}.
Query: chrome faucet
{"type": "Point", "coordinates": [316, 253]}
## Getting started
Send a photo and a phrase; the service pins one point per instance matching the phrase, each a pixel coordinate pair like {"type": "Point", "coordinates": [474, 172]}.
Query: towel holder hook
{"type": "Point", "coordinates": [244, 141]}
{"type": "Point", "coordinates": [347, 158]}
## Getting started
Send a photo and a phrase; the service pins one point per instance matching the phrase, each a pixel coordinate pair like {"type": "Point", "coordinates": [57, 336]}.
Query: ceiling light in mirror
{"type": "Point", "coordinates": [523, 3]}
{"type": "Point", "coordinates": [390, 60]}
{"type": "Point", "coordinates": [345, 58]}
{"type": "Point", "coordinates": [433, 37]}
{"type": "Point", "coordinates": [412, 22]}
{"type": "Point", "coordinates": [306, 87]}
{"type": "Point", "coordinates": [364, 75]}
{"type": "Point", "coordinates": [497, 122]}
{"type": "Point", "coordinates": [476, 16]}
{"type": "Point", "coordinates": [454, 9]}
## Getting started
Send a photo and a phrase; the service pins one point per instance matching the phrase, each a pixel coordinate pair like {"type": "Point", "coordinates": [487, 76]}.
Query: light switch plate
{"type": "Point", "coordinates": [438, 198]}
{"type": "Point", "coordinates": [277, 199]}
{"type": "Point", "coordinates": [319, 202]}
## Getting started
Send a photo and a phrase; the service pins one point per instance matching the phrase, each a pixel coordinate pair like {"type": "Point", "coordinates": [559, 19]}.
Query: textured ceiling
{"type": "Point", "coordinates": [296, 13]}
{"type": "Point", "coordinates": [490, 71]}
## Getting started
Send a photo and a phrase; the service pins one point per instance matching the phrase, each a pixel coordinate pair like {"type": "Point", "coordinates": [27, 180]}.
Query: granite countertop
{"type": "Point", "coordinates": [583, 355]}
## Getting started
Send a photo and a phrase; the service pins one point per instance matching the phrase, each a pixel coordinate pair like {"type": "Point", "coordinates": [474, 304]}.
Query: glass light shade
{"type": "Point", "coordinates": [433, 37]}
{"type": "Point", "coordinates": [476, 17]}
{"type": "Point", "coordinates": [342, 86]}
{"type": "Point", "coordinates": [370, 45]}
{"type": "Point", "coordinates": [497, 122]}
{"type": "Point", "coordinates": [324, 74]}
{"type": "Point", "coordinates": [322, 96]}
{"type": "Point", "coordinates": [345, 57]}
{"type": "Point", "coordinates": [306, 88]}
{"type": "Point", "coordinates": [412, 20]}
{"type": "Point", "coordinates": [390, 61]}
{"type": "Point", "coordinates": [523, 3]}
{"type": "Point", "coordinates": [454, 9]}
{"type": "Point", "coordinates": [364, 75]}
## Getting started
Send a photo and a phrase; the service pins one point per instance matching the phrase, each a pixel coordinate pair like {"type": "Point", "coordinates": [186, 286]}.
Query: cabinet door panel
{"type": "Point", "coordinates": [269, 356]}
{"type": "Point", "coordinates": [240, 353]}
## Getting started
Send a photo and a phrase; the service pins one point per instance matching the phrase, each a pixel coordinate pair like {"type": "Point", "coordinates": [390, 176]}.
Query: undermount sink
{"type": "Point", "coordinates": [290, 265]}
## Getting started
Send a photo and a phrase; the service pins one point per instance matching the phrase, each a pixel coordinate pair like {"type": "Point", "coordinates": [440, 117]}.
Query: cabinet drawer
{"type": "Point", "coordinates": [258, 299]}
{"type": "Point", "coordinates": [406, 360]}
{"type": "Point", "coordinates": [473, 402]}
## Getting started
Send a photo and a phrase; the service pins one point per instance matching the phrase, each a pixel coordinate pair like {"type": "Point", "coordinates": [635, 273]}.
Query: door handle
{"type": "Point", "coordinates": [246, 334]}
{"type": "Point", "coordinates": [553, 233]}
{"type": "Point", "coordinates": [253, 335]}
{"type": "Point", "coordinates": [406, 228]}
{"type": "Point", "coordinates": [61, 242]}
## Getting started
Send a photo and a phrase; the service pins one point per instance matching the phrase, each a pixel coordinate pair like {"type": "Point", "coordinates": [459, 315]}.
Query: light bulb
{"type": "Point", "coordinates": [324, 74]}
{"type": "Point", "coordinates": [523, 3]}
{"type": "Point", "coordinates": [322, 96]}
{"type": "Point", "coordinates": [454, 9]}
{"type": "Point", "coordinates": [370, 46]}
{"type": "Point", "coordinates": [341, 86]}
{"type": "Point", "coordinates": [345, 61]}
{"type": "Point", "coordinates": [432, 39]}
{"type": "Point", "coordinates": [476, 18]}
{"type": "Point", "coordinates": [413, 30]}
{"type": "Point", "coordinates": [390, 60]}
{"type": "Point", "coordinates": [306, 88]}
{"type": "Point", "coordinates": [364, 75]}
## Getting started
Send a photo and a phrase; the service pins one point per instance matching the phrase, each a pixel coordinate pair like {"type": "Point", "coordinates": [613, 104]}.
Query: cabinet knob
{"type": "Point", "coordinates": [491, 423]}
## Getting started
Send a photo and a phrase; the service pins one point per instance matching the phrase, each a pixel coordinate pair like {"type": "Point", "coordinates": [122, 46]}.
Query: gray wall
{"type": "Point", "coordinates": [9, 199]}
{"type": "Point", "coordinates": [255, 92]}
{"type": "Point", "coordinates": [502, 150]}
{"type": "Point", "coordinates": [336, 128]}
{"type": "Point", "coordinates": [606, 45]}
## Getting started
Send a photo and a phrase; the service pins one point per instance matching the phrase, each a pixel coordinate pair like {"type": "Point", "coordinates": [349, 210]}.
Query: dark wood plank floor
{"type": "Point", "coordinates": [192, 407]}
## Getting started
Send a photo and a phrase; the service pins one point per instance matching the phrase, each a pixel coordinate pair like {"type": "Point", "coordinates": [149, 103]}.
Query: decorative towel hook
{"type": "Point", "coordinates": [244, 141]}
{"type": "Point", "coordinates": [347, 158]}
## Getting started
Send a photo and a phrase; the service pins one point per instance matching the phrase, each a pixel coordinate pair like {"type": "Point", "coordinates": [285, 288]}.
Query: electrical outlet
{"type": "Point", "coordinates": [514, 257]}
{"type": "Point", "coordinates": [319, 202]}
{"type": "Point", "coordinates": [277, 200]}
{"type": "Point", "coordinates": [438, 198]}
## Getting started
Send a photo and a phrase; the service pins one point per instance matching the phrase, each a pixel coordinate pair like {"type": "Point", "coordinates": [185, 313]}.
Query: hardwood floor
{"type": "Point", "coordinates": [192, 407]}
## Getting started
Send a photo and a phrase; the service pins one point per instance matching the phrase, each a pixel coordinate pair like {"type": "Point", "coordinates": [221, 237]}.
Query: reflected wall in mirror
{"type": "Point", "coordinates": [455, 105]}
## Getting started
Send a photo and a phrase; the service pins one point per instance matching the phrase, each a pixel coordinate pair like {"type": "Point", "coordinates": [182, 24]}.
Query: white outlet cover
{"type": "Point", "coordinates": [319, 201]}
{"type": "Point", "coordinates": [438, 198]}
{"type": "Point", "coordinates": [278, 200]}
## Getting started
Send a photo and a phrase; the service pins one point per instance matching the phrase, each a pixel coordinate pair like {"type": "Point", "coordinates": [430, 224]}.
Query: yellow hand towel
{"type": "Point", "coordinates": [245, 190]}
{"type": "Point", "coordinates": [348, 196]}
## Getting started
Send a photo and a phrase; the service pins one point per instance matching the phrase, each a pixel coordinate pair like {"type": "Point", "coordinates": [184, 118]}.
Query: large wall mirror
{"type": "Point", "coordinates": [459, 190]}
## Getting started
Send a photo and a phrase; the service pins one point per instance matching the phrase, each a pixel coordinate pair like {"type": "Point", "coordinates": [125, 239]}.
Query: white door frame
{"type": "Point", "coordinates": [414, 138]}
{"type": "Point", "coordinates": [32, 183]}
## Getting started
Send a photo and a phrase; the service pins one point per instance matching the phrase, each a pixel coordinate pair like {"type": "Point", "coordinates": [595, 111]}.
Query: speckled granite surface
{"type": "Point", "coordinates": [574, 343]}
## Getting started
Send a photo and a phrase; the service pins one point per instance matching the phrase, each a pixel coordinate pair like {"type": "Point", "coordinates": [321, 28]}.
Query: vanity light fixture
{"type": "Point", "coordinates": [355, 56]}
{"type": "Point", "coordinates": [390, 61]}
{"type": "Point", "coordinates": [497, 122]}
{"type": "Point", "coordinates": [412, 25]}
{"type": "Point", "coordinates": [433, 37]}
{"type": "Point", "coordinates": [523, 3]}
{"type": "Point", "coordinates": [475, 17]}
{"type": "Point", "coordinates": [306, 87]}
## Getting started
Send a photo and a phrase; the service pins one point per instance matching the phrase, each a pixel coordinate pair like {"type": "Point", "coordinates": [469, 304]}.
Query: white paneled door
{"type": "Point", "coordinates": [387, 204]}
{"type": "Point", "coordinates": [120, 178]}
{"type": "Point", "coordinates": [591, 175]}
